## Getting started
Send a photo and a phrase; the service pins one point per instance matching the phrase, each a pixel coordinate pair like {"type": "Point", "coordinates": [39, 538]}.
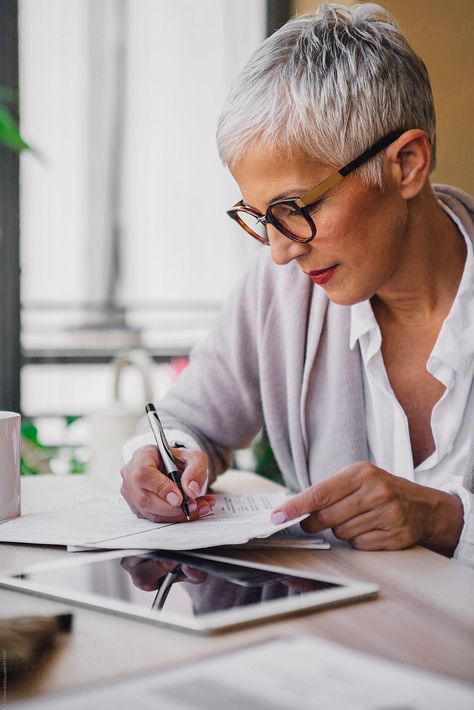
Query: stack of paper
{"type": "Point", "coordinates": [106, 522]}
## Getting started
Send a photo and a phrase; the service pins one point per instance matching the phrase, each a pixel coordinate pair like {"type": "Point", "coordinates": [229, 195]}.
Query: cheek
{"type": "Point", "coordinates": [369, 237]}
{"type": "Point", "coordinates": [344, 237]}
{"type": "Point", "coordinates": [368, 245]}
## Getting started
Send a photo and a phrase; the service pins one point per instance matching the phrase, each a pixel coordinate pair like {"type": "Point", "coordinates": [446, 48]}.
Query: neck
{"type": "Point", "coordinates": [425, 281]}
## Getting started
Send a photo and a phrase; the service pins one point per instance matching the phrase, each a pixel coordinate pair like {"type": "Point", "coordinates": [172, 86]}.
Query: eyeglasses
{"type": "Point", "coordinates": [292, 217]}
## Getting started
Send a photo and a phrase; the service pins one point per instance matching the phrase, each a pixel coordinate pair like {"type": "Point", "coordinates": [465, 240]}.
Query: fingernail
{"type": "Point", "coordinates": [204, 510]}
{"type": "Point", "coordinates": [173, 498]}
{"type": "Point", "coordinates": [192, 505]}
{"type": "Point", "coordinates": [279, 517]}
{"type": "Point", "coordinates": [194, 487]}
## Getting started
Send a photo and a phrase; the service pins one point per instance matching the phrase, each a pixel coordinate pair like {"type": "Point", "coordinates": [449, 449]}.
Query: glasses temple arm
{"type": "Point", "coordinates": [373, 150]}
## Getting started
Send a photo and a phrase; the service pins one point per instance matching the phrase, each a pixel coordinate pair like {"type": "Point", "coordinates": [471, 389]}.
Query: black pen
{"type": "Point", "coordinates": [165, 588]}
{"type": "Point", "coordinates": [165, 452]}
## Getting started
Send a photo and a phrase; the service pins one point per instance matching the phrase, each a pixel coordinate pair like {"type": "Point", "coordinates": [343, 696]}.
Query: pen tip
{"type": "Point", "coordinates": [150, 407]}
{"type": "Point", "coordinates": [188, 518]}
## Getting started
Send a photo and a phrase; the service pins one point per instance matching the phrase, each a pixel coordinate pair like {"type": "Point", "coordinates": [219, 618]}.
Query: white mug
{"type": "Point", "coordinates": [9, 465]}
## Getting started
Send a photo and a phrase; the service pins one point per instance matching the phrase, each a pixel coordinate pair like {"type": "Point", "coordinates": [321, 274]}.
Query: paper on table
{"type": "Point", "coordinates": [235, 519]}
{"type": "Point", "coordinates": [107, 522]}
{"type": "Point", "coordinates": [301, 672]}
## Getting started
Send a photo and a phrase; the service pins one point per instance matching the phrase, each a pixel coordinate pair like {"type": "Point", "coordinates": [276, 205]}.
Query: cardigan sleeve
{"type": "Point", "coordinates": [215, 402]}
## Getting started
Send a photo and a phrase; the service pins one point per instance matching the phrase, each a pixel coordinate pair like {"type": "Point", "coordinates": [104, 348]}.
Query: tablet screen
{"type": "Point", "coordinates": [176, 583]}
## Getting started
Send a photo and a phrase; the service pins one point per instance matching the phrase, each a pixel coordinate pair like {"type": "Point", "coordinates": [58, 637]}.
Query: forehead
{"type": "Point", "coordinates": [264, 174]}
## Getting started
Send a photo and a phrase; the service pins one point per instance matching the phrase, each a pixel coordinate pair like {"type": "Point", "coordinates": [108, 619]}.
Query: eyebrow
{"type": "Point", "coordinates": [294, 192]}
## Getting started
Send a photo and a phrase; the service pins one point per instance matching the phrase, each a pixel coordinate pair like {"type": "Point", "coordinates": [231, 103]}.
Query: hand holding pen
{"type": "Point", "coordinates": [169, 464]}
{"type": "Point", "coordinates": [152, 492]}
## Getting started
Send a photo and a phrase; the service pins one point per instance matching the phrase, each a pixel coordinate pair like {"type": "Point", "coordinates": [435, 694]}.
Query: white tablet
{"type": "Point", "coordinates": [192, 591]}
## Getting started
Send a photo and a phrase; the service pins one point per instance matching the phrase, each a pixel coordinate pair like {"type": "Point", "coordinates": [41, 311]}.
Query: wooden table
{"type": "Point", "coordinates": [424, 614]}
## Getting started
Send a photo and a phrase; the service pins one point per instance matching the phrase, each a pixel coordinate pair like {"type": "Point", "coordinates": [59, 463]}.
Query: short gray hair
{"type": "Point", "coordinates": [328, 84]}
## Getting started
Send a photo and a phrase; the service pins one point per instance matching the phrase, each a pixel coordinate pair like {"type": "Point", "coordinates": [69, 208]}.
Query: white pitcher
{"type": "Point", "coordinates": [110, 429]}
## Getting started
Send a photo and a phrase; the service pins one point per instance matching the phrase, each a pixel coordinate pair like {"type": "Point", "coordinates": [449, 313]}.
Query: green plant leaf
{"type": "Point", "coordinates": [10, 132]}
{"type": "Point", "coordinates": [29, 431]}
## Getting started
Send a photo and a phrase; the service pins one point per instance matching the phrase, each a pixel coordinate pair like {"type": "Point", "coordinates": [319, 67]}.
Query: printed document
{"type": "Point", "coordinates": [301, 672]}
{"type": "Point", "coordinates": [107, 522]}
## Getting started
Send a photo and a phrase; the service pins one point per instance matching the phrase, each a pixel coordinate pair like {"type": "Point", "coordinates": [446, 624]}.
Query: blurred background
{"type": "Point", "coordinates": [115, 250]}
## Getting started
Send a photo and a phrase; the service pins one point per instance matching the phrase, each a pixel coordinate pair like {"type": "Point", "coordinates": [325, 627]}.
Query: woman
{"type": "Point", "coordinates": [352, 337]}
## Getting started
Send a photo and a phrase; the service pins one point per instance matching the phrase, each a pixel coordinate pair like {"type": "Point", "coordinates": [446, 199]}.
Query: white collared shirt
{"type": "Point", "coordinates": [452, 419]}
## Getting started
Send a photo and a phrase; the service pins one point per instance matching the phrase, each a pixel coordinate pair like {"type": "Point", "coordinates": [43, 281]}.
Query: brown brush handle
{"type": "Point", "coordinates": [24, 637]}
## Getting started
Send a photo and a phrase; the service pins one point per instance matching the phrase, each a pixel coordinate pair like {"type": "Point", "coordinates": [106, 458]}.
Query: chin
{"type": "Point", "coordinates": [347, 298]}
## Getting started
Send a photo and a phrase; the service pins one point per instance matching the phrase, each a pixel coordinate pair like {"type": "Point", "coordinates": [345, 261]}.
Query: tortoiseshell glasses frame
{"type": "Point", "coordinates": [298, 208]}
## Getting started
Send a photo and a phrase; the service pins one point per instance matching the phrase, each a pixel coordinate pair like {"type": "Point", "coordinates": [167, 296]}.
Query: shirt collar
{"type": "Point", "coordinates": [363, 321]}
{"type": "Point", "coordinates": [455, 343]}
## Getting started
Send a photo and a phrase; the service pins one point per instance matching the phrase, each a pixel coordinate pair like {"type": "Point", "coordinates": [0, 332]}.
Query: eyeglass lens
{"type": "Point", "coordinates": [288, 218]}
{"type": "Point", "coordinates": [253, 224]}
{"type": "Point", "coordinates": [291, 219]}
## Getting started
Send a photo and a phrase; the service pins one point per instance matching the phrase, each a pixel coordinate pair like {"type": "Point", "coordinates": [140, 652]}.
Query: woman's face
{"type": "Point", "coordinates": [359, 232]}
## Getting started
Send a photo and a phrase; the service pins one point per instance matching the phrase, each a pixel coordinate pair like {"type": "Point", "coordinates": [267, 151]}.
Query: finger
{"type": "Point", "coordinates": [371, 520]}
{"type": "Point", "coordinates": [388, 518]}
{"type": "Point", "coordinates": [337, 514]}
{"type": "Point", "coordinates": [157, 483]}
{"type": "Point", "coordinates": [197, 509]}
{"type": "Point", "coordinates": [210, 500]}
{"type": "Point", "coordinates": [194, 475]}
{"type": "Point", "coordinates": [195, 576]}
{"type": "Point", "coordinates": [147, 502]}
{"type": "Point", "coordinates": [147, 575]}
{"type": "Point", "coordinates": [320, 495]}
{"type": "Point", "coordinates": [382, 540]}
{"type": "Point", "coordinates": [134, 562]}
{"type": "Point", "coordinates": [144, 472]}
{"type": "Point", "coordinates": [130, 562]}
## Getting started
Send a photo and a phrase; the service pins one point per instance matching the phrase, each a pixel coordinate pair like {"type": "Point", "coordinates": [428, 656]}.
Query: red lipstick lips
{"type": "Point", "coordinates": [322, 276]}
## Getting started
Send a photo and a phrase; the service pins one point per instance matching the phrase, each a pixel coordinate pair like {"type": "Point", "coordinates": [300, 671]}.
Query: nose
{"type": "Point", "coordinates": [283, 249]}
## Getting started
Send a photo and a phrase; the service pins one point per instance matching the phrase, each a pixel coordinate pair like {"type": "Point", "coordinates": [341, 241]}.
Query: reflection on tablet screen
{"type": "Point", "coordinates": [177, 583]}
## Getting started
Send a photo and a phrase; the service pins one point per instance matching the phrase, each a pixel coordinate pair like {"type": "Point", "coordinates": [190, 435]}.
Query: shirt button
{"type": "Point", "coordinates": [450, 448]}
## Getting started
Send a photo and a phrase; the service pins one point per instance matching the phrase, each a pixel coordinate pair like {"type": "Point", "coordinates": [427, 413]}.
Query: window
{"type": "Point", "coordinates": [125, 240]}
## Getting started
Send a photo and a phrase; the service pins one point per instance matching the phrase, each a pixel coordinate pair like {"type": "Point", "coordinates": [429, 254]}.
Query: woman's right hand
{"type": "Point", "coordinates": [151, 494]}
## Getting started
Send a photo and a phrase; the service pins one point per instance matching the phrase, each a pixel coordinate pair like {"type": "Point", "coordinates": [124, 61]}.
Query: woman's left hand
{"type": "Point", "coordinates": [375, 510]}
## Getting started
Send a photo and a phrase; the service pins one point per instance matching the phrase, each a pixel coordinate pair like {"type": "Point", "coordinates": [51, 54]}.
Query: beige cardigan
{"type": "Point", "coordinates": [279, 350]}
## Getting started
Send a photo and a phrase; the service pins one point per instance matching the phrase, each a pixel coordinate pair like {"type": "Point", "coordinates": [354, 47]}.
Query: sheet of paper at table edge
{"type": "Point", "coordinates": [277, 541]}
{"type": "Point", "coordinates": [299, 672]}
{"type": "Point", "coordinates": [74, 524]}
{"type": "Point", "coordinates": [291, 538]}
{"type": "Point", "coordinates": [107, 521]}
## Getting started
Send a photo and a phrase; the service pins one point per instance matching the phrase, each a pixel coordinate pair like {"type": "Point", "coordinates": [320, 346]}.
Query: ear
{"type": "Point", "coordinates": [408, 161]}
